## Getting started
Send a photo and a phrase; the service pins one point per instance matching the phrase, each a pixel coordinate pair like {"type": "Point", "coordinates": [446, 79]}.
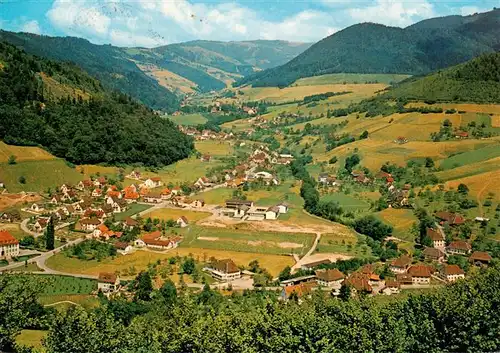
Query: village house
{"type": "Point", "coordinates": [358, 283]}
{"type": "Point", "coordinates": [283, 207]}
{"type": "Point", "coordinates": [84, 184]}
{"type": "Point", "coordinates": [64, 188]}
{"type": "Point", "coordinates": [206, 158]}
{"type": "Point", "coordinates": [114, 193]}
{"type": "Point", "coordinates": [155, 240]}
{"type": "Point", "coordinates": [224, 270]}
{"type": "Point", "coordinates": [298, 280]}
{"type": "Point", "coordinates": [436, 237]}
{"type": "Point", "coordinates": [420, 274]}
{"type": "Point", "coordinates": [152, 183]}
{"type": "Point", "coordinates": [312, 265]}
{"type": "Point", "coordinates": [40, 224]}
{"type": "Point", "coordinates": [56, 199]}
{"type": "Point", "coordinates": [404, 278]}
{"type": "Point", "coordinates": [131, 196]}
{"type": "Point", "coordinates": [461, 135]}
{"type": "Point", "coordinates": [238, 203]}
{"type": "Point", "coordinates": [10, 217]}
{"type": "Point", "coordinates": [129, 223]}
{"type": "Point", "coordinates": [433, 254]}
{"type": "Point", "coordinates": [89, 224]}
{"type": "Point", "coordinates": [327, 179]}
{"type": "Point", "coordinates": [452, 273]}
{"type": "Point", "coordinates": [118, 205]}
{"type": "Point", "coordinates": [134, 175]}
{"type": "Point", "coordinates": [203, 182]}
{"type": "Point", "coordinates": [96, 193]}
{"type": "Point", "coordinates": [260, 213]}
{"type": "Point", "coordinates": [401, 264]}
{"type": "Point", "coordinates": [123, 248]}
{"type": "Point", "coordinates": [235, 183]}
{"type": "Point", "coordinates": [153, 197]}
{"type": "Point", "coordinates": [459, 247]}
{"type": "Point", "coordinates": [102, 231]}
{"type": "Point", "coordinates": [108, 282]}
{"type": "Point", "coordinates": [182, 222]}
{"type": "Point", "coordinates": [297, 291]}
{"type": "Point", "coordinates": [177, 191]}
{"type": "Point", "coordinates": [453, 219]}
{"type": "Point", "coordinates": [36, 208]}
{"type": "Point", "coordinates": [198, 203]}
{"type": "Point", "coordinates": [166, 194]}
{"type": "Point", "coordinates": [479, 258]}
{"type": "Point", "coordinates": [9, 246]}
{"type": "Point", "coordinates": [391, 287]}
{"type": "Point", "coordinates": [331, 278]}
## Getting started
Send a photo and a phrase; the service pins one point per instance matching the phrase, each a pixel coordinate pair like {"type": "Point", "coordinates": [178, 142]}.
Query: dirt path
{"type": "Point", "coordinates": [304, 259]}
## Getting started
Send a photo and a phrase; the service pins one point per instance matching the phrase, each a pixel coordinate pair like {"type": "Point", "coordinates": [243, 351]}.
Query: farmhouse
{"type": "Point", "coordinates": [9, 246]}
{"type": "Point", "coordinates": [166, 194]}
{"type": "Point", "coordinates": [433, 254]}
{"type": "Point", "coordinates": [108, 282]}
{"type": "Point", "coordinates": [298, 291]}
{"type": "Point", "coordinates": [404, 278]}
{"type": "Point", "coordinates": [155, 240]}
{"type": "Point", "coordinates": [123, 248]}
{"type": "Point", "coordinates": [297, 280]}
{"type": "Point", "coordinates": [224, 270]}
{"type": "Point", "coordinates": [238, 203]}
{"type": "Point", "coordinates": [182, 222]}
{"type": "Point", "coordinates": [330, 278]}
{"type": "Point", "coordinates": [480, 258]}
{"type": "Point", "coordinates": [153, 182]}
{"type": "Point", "coordinates": [283, 207]}
{"type": "Point", "coordinates": [459, 247]}
{"type": "Point", "coordinates": [420, 274]}
{"type": "Point", "coordinates": [129, 223]}
{"type": "Point", "coordinates": [260, 213]}
{"type": "Point", "coordinates": [452, 273]}
{"type": "Point", "coordinates": [391, 287]}
{"type": "Point", "coordinates": [89, 224]}
{"type": "Point", "coordinates": [358, 283]}
{"type": "Point", "coordinates": [203, 182]}
{"type": "Point", "coordinates": [327, 179]}
{"type": "Point", "coordinates": [453, 219]}
{"type": "Point", "coordinates": [436, 237]}
{"type": "Point", "coordinates": [97, 193]}
{"type": "Point", "coordinates": [401, 264]}
{"type": "Point", "coordinates": [131, 196]}
{"type": "Point", "coordinates": [153, 197]}
{"type": "Point", "coordinates": [198, 203]}
{"type": "Point", "coordinates": [40, 224]}
{"type": "Point", "coordinates": [315, 264]}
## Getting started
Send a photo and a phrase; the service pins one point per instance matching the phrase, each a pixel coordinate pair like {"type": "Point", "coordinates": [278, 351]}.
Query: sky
{"type": "Point", "coordinates": [150, 23]}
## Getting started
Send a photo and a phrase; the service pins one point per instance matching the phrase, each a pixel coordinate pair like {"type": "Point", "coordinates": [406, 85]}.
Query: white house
{"type": "Point", "coordinates": [273, 212]}
{"type": "Point", "coordinates": [139, 243]}
{"type": "Point", "coordinates": [153, 182]}
{"type": "Point", "coordinates": [182, 222]}
{"type": "Point", "coordinates": [123, 248]}
{"type": "Point", "coordinates": [391, 287]}
{"type": "Point", "coordinates": [283, 208]}
{"type": "Point", "coordinates": [452, 273]}
{"type": "Point", "coordinates": [9, 246]}
{"type": "Point", "coordinates": [40, 224]}
{"type": "Point", "coordinates": [108, 282]}
{"type": "Point", "coordinates": [330, 278]}
{"type": "Point", "coordinates": [36, 207]}
{"type": "Point", "coordinates": [224, 270]}
{"type": "Point", "coordinates": [420, 274]}
{"type": "Point", "coordinates": [89, 224]}
{"type": "Point", "coordinates": [401, 264]}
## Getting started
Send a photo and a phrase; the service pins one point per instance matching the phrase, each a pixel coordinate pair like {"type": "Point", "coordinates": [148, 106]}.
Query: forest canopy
{"type": "Point", "coordinates": [89, 125]}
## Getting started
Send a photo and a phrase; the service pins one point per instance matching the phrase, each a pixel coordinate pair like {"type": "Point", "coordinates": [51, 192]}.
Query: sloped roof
{"type": "Point", "coordinates": [401, 262]}
{"type": "Point", "coordinates": [420, 271]}
{"type": "Point", "coordinates": [480, 256]}
{"type": "Point", "coordinates": [330, 275]}
{"type": "Point", "coordinates": [226, 266]}
{"type": "Point", "coordinates": [107, 277]}
{"type": "Point", "coordinates": [450, 270]}
{"type": "Point", "coordinates": [7, 239]}
{"type": "Point", "coordinates": [433, 234]}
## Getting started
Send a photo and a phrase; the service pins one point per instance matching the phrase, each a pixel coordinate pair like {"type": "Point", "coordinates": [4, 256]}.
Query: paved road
{"type": "Point", "coordinates": [40, 260]}
{"type": "Point", "coordinates": [303, 260]}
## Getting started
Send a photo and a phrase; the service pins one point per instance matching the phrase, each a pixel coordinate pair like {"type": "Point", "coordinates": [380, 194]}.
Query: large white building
{"type": "Point", "coordinates": [224, 270]}
{"type": "Point", "coordinates": [9, 246]}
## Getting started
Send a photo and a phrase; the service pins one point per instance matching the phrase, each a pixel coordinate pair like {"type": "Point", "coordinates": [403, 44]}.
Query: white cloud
{"type": "Point", "coordinates": [393, 12]}
{"type": "Point", "coordinates": [31, 27]}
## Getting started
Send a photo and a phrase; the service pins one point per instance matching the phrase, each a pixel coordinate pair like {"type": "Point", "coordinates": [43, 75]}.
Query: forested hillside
{"type": "Point", "coordinates": [475, 81]}
{"type": "Point", "coordinates": [89, 125]}
{"type": "Point", "coordinates": [372, 48]}
{"type": "Point", "coordinates": [105, 62]}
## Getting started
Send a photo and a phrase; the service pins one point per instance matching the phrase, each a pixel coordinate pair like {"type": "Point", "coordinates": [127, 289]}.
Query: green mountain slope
{"type": "Point", "coordinates": [372, 48]}
{"type": "Point", "coordinates": [475, 81]}
{"type": "Point", "coordinates": [107, 63]}
{"type": "Point", "coordinates": [62, 108]}
{"type": "Point", "coordinates": [209, 64]}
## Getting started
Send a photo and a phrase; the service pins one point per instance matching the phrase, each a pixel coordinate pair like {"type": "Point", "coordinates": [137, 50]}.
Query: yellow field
{"type": "Point", "coordinates": [495, 121]}
{"type": "Point", "coordinates": [401, 220]}
{"type": "Point", "coordinates": [375, 152]}
{"type": "Point", "coordinates": [140, 260]}
{"type": "Point", "coordinates": [23, 153]}
{"type": "Point", "coordinates": [273, 263]}
{"type": "Point", "coordinates": [168, 79]}
{"type": "Point", "coordinates": [274, 94]}
{"type": "Point", "coordinates": [479, 185]}
{"type": "Point", "coordinates": [214, 148]}
{"type": "Point", "coordinates": [470, 108]}
{"type": "Point", "coordinates": [170, 213]}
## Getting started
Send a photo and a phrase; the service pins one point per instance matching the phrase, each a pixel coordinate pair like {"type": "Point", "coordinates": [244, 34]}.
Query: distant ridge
{"type": "Point", "coordinates": [373, 48]}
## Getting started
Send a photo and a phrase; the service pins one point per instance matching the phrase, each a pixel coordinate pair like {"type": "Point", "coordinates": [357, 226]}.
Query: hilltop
{"type": "Point", "coordinates": [64, 109]}
{"type": "Point", "coordinates": [475, 81]}
{"type": "Point", "coordinates": [158, 76]}
{"type": "Point", "coordinates": [373, 48]}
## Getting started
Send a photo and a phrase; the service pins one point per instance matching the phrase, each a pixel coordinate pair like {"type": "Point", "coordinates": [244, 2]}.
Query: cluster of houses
{"type": "Point", "coordinates": [206, 134]}
{"type": "Point", "coordinates": [263, 156]}
{"type": "Point", "coordinates": [247, 210]}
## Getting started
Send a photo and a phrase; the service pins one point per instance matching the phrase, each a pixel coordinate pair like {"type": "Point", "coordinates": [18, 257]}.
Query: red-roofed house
{"type": "Point", "coordinates": [401, 264]}
{"type": "Point", "coordinates": [436, 237]}
{"type": "Point", "coordinates": [108, 282]}
{"type": "Point", "coordinates": [153, 182]}
{"type": "Point", "coordinates": [420, 274]}
{"type": "Point", "coordinates": [459, 247]}
{"type": "Point", "coordinates": [452, 273]}
{"type": "Point", "coordinates": [224, 270]}
{"type": "Point", "coordinates": [480, 258]}
{"type": "Point", "coordinates": [453, 219]}
{"type": "Point", "coordinates": [9, 246]}
{"type": "Point", "coordinates": [330, 278]}
{"type": "Point", "coordinates": [182, 222]}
